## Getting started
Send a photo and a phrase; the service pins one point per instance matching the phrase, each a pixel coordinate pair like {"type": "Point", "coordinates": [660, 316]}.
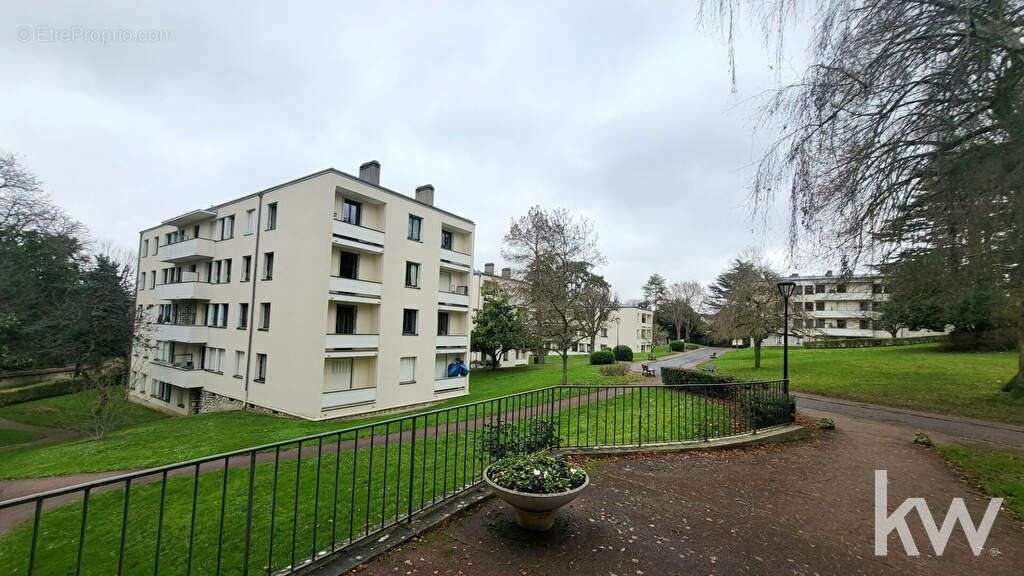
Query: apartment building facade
{"type": "Point", "coordinates": [629, 325]}
{"type": "Point", "coordinates": [326, 296]}
{"type": "Point", "coordinates": [476, 300]}
{"type": "Point", "coordinates": [831, 306]}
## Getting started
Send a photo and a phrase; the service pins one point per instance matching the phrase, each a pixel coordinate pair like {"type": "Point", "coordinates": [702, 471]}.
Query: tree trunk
{"type": "Point", "coordinates": [679, 332]}
{"type": "Point", "coordinates": [686, 337]}
{"type": "Point", "coordinates": [593, 342]}
{"type": "Point", "coordinates": [1016, 384]}
{"type": "Point", "coordinates": [757, 352]}
{"type": "Point", "coordinates": [565, 367]}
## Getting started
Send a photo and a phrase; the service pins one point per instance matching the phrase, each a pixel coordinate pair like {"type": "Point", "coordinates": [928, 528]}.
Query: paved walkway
{"type": "Point", "coordinates": [46, 434]}
{"type": "Point", "coordinates": [688, 359]}
{"type": "Point", "coordinates": [939, 425]}
{"type": "Point", "coordinates": [804, 508]}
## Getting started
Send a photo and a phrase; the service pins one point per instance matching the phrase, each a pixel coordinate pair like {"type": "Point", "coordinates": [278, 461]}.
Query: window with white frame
{"type": "Point", "coordinates": [240, 363]}
{"type": "Point", "coordinates": [407, 370]}
{"type": "Point", "coordinates": [213, 359]}
{"type": "Point", "coordinates": [250, 221]}
{"type": "Point", "coordinates": [272, 216]}
{"type": "Point", "coordinates": [339, 374]}
{"type": "Point", "coordinates": [225, 228]}
{"type": "Point", "coordinates": [261, 368]}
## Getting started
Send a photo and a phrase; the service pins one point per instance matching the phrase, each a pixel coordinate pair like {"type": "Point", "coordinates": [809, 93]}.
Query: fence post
{"type": "Point", "coordinates": [412, 464]}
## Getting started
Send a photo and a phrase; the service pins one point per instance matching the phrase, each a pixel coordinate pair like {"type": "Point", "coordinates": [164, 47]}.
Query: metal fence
{"type": "Point", "coordinates": [282, 507]}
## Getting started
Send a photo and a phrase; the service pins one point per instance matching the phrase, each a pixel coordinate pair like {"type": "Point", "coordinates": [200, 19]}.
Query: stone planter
{"type": "Point", "coordinates": [534, 512]}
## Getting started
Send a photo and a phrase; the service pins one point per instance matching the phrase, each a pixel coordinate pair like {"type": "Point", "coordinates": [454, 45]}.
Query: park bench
{"type": "Point", "coordinates": [647, 370]}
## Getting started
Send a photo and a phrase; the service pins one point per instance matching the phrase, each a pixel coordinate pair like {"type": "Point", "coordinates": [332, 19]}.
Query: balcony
{"type": "Point", "coordinates": [458, 261]}
{"type": "Point", "coordinates": [190, 333]}
{"type": "Point", "coordinates": [364, 342]}
{"type": "Point", "coordinates": [354, 290]}
{"type": "Point", "coordinates": [457, 297]}
{"type": "Point", "coordinates": [187, 250]}
{"type": "Point", "coordinates": [180, 374]}
{"type": "Point", "coordinates": [345, 398]}
{"type": "Point", "coordinates": [184, 290]}
{"type": "Point", "coordinates": [452, 341]}
{"type": "Point", "coordinates": [359, 238]}
{"type": "Point", "coordinates": [450, 384]}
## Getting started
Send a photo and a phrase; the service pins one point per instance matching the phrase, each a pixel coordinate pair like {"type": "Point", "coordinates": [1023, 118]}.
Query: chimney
{"type": "Point", "coordinates": [506, 272]}
{"type": "Point", "coordinates": [828, 273]}
{"type": "Point", "coordinates": [425, 194]}
{"type": "Point", "coordinates": [489, 268]}
{"type": "Point", "coordinates": [370, 172]}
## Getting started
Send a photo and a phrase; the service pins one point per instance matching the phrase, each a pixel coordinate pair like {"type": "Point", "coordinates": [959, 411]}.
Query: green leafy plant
{"type": "Point", "coordinates": [602, 357]}
{"type": "Point", "coordinates": [677, 346]}
{"type": "Point", "coordinates": [623, 353]}
{"type": "Point", "coordinates": [764, 412]}
{"type": "Point", "coordinates": [536, 474]}
{"type": "Point", "coordinates": [922, 439]}
{"type": "Point", "coordinates": [617, 369]}
{"type": "Point", "coordinates": [826, 424]}
{"type": "Point", "coordinates": [502, 439]}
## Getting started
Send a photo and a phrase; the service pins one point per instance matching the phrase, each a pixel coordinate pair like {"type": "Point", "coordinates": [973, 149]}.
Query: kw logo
{"type": "Point", "coordinates": [885, 523]}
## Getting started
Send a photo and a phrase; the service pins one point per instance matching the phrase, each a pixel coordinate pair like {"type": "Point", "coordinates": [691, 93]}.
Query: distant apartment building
{"type": "Point", "coordinates": [476, 300]}
{"type": "Point", "coordinates": [326, 296]}
{"type": "Point", "coordinates": [830, 306]}
{"type": "Point", "coordinates": [629, 325]}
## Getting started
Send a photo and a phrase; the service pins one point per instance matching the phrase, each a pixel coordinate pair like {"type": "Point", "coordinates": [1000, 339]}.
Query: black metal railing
{"type": "Point", "coordinates": [282, 507]}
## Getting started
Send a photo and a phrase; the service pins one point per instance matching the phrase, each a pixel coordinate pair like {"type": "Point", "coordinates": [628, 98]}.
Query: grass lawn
{"type": "Point", "coordinates": [920, 377]}
{"type": "Point", "coordinates": [1000, 473]}
{"type": "Point", "coordinates": [169, 440]}
{"type": "Point", "coordinates": [301, 507]}
{"type": "Point", "coordinates": [12, 437]}
{"type": "Point", "coordinates": [70, 410]}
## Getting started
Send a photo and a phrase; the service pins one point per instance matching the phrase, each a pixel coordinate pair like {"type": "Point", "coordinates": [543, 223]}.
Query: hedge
{"type": "Point", "coordinates": [40, 391]}
{"type": "Point", "coordinates": [685, 376]}
{"type": "Point", "coordinates": [677, 346]}
{"type": "Point", "coordinates": [602, 357]}
{"type": "Point", "coordinates": [762, 412]}
{"type": "Point", "coordinates": [623, 353]}
{"type": "Point", "coordinates": [874, 342]}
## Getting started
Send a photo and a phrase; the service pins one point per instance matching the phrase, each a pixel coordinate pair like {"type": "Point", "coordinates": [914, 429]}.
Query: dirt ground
{"type": "Point", "coordinates": [800, 508]}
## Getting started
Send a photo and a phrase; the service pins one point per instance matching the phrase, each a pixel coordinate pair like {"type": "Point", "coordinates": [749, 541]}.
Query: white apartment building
{"type": "Point", "coordinates": [326, 296]}
{"type": "Point", "coordinates": [478, 281]}
{"type": "Point", "coordinates": [628, 325]}
{"type": "Point", "coordinates": [830, 306]}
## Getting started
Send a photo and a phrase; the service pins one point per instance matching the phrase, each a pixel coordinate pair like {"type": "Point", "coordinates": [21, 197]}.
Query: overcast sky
{"type": "Point", "coordinates": [624, 116]}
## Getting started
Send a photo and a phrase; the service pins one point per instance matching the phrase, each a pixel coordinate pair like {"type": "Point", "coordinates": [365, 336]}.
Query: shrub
{"type": "Point", "coordinates": [40, 391]}
{"type": "Point", "coordinates": [826, 424]}
{"type": "Point", "coordinates": [686, 376]}
{"type": "Point", "coordinates": [922, 439]}
{"type": "Point", "coordinates": [602, 357]}
{"type": "Point", "coordinates": [501, 439]}
{"type": "Point", "coordinates": [536, 474]}
{"type": "Point", "coordinates": [762, 412]}
{"type": "Point", "coordinates": [873, 342]}
{"type": "Point", "coordinates": [617, 369]}
{"type": "Point", "coordinates": [677, 346]}
{"type": "Point", "coordinates": [623, 353]}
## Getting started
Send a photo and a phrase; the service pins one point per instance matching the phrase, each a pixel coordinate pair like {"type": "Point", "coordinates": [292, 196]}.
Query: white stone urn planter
{"type": "Point", "coordinates": [535, 512]}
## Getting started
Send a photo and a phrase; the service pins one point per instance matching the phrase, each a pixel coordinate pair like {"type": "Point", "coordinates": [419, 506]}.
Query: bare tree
{"type": "Point", "coordinates": [746, 303]}
{"type": "Point", "coordinates": [681, 306]}
{"type": "Point", "coordinates": [596, 307]}
{"type": "Point", "coordinates": [902, 99]}
{"type": "Point", "coordinates": [24, 206]}
{"type": "Point", "coordinates": [554, 253]}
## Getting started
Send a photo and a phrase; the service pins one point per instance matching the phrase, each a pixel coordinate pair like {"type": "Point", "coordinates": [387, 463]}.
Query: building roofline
{"type": "Point", "coordinates": [839, 277]}
{"type": "Point", "coordinates": [318, 174]}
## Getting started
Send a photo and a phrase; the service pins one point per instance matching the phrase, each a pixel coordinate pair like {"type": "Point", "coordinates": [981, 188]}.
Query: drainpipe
{"type": "Point", "coordinates": [252, 298]}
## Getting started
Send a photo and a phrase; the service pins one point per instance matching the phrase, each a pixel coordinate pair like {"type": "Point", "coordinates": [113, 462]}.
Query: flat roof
{"type": "Point", "coordinates": [323, 172]}
{"type": "Point", "coordinates": [836, 277]}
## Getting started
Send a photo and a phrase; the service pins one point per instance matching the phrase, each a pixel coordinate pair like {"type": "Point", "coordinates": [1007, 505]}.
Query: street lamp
{"type": "Point", "coordinates": [785, 290]}
{"type": "Point", "coordinates": [617, 320]}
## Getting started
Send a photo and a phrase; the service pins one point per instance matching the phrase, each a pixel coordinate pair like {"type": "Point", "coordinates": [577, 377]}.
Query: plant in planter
{"type": "Point", "coordinates": [536, 486]}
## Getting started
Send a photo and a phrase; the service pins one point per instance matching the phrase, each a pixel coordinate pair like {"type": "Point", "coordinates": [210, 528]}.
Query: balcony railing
{"type": "Point", "coordinates": [450, 384]}
{"type": "Point", "coordinates": [355, 286]}
{"type": "Point", "coordinates": [460, 259]}
{"type": "Point", "coordinates": [345, 398]}
{"type": "Point", "coordinates": [188, 249]}
{"type": "Point", "coordinates": [179, 372]}
{"type": "Point", "coordinates": [358, 235]}
{"type": "Point", "coordinates": [456, 295]}
{"type": "Point", "coordinates": [353, 341]}
{"type": "Point", "coordinates": [452, 340]}
{"type": "Point", "coordinates": [191, 333]}
{"type": "Point", "coordinates": [184, 290]}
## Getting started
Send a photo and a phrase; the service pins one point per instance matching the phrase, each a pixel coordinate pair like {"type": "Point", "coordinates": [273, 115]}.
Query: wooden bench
{"type": "Point", "coordinates": [647, 370]}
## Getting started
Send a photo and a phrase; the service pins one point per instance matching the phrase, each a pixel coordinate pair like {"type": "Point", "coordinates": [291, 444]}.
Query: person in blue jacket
{"type": "Point", "coordinates": [457, 368]}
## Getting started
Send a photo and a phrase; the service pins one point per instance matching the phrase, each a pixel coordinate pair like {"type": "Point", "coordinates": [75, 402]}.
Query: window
{"type": "Point", "coordinates": [409, 322]}
{"type": "Point", "coordinates": [841, 288]}
{"type": "Point", "coordinates": [442, 323]}
{"type": "Point", "coordinates": [352, 212]}
{"type": "Point", "coordinates": [446, 240]}
{"type": "Point", "coordinates": [243, 315]}
{"type": "Point", "coordinates": [865, 306]}
{"type": "Point", "coordinates": [604, 332]}
{"type": "Point", "coordinates": [819, 306]}
{"type": "Point", "coordinates": [865, 324]}
{"type": "Point", "coordinates": [809, 289]}
{"type": "Point", "coordinates": [221, 272]}
{"type": "Point", "coordinates": [142, 281]}
{"type": "Point", "coordinates": [349, 267]}
{"type": "Point", "coordinates": [250, 221]}
{"type": "Point", "coordinates": [152, 279]}
{"type": "Point", "coordinates": [877, 289]}
{"type": "Point", "coordinates": [339, 374]}
{"type": "Point", "coordinates": [225, 228]}
{"type": "Point", "coordinates": [261, 368]}
{"type": "Point", "coordinates": [246, 264]}
{"type": "Point", "coordinates": [145, 247]}
{"type": "Point", "coordinates": [345, 319]}
{"type": "Point", "coordinates": [412, 275]}
{"type": "Point", "coordinates": [407, 370]}
{"type": "Point", "coordinates": [272, 216]}
{"type": "Point", "coordinates": [217, 315]}
{"type": "Point", "coordinates": [239, 363]}
{"type": "Point", "coordinates": [841, 323]}
{"type": "Point", "coordinates": [819, 288]}
{"type": "Point", "coordinates": [415, 227]}
{"type": "Point", "coordinates": [156, 244]}
{"type": "Point", "coordinates": [265, 316]}
{"type": "Point", "coordinates": [809, 306]}
{"type": "Point", "coordinates": [268, 266]}
{"type": "Point", "coordinates": [212, 359]}
{"type": "Point", "coordinates": [819, 323]}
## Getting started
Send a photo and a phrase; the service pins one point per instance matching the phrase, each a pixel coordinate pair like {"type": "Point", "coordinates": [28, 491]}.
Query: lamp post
{"type": "Point", "coordinates": [617, 320]}
{"type": "Point", "coordinates": [785, 290]}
